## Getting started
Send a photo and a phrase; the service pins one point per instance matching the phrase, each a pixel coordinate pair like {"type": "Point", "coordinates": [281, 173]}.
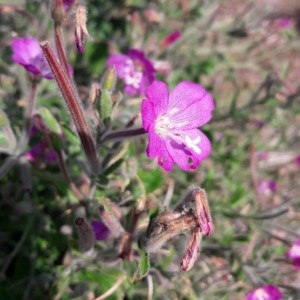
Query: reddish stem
{"type": "Point", "coordinates": [71, 97]}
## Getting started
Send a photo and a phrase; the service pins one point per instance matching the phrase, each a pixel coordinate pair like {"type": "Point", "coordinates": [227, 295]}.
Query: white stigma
{"type": "Point", "coordinates": [165, 128]}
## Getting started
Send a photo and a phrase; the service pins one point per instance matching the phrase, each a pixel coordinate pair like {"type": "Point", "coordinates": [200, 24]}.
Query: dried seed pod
{"type": "Point", "coordinates": [192, 251]}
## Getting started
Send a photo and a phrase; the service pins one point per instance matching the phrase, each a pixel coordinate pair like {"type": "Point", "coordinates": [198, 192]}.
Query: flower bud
{"type": "Point", "coordinates": [81, 31]}
{"type": "Point", "coordinates": [109, 79]}
{"type": "Point", "coordinates": [58, 12]}
{"type": "Point", "coordinates": [111, 221]}
{"type": "Point", "coordinates": [86, 236]}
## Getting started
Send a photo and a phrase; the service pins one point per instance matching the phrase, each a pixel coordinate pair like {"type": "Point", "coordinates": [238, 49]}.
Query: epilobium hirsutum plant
{"type": "Point", "coordinates": [170, 122]}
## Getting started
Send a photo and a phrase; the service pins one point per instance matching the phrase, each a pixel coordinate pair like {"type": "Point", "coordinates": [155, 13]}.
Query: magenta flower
{"type": "Point", "coordinates": [41, 151]}
{"type": "Point", "coordinates": [294, 254]}
{"type": "Point", "coordinates": [170, 39]}
{"type": "Point", "coordinates": [265, 292]}
{"type": "Point", "coordinates": [100, 230]}
{"type": "Point", "coordinates": [136, 71]}
{"type": "Point", "coordinates": [172, 122]}
{"type": "Point", "coordinates": [68, 4]}
{"type": "Point", "coordinates": [266, 186]}
{"type": "Point", "coordinates": [27, 53]}
{"type": "Point", "coordinates": [297, 160]}
{"type": "Point", "coordinates": [284, 23]}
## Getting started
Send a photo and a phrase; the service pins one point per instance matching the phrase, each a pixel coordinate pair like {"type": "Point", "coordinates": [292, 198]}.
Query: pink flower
{"type": "Point", "coordinates": [294, 254]}
{"type": "Point", "coordinates": [284, 23]}
{"type": "Point", "coordinates": [172, 122]}
{"type": "Point", "coordinates": [266, 186]}
{"type": "Point", "coordinates": [135, 69]}
{"type": "Point", "coordinates": [68, 4]}
{"type": "Point", "coordinates": [265, 292]}
{"type": "Point", "coordinates": [170, 39]}
{"type": "Point", "coordinates": [27, 53]}
{"type": "Point", "coordinates": [297, 160]}
{"type": "Point", "coordinates": [100, 230]}
{"type": "Point", "coordinates": [41, 151]}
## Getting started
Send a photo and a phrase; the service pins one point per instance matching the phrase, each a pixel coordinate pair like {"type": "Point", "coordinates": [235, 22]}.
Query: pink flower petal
{"type": "Point", "coordinates": [27, 52]}
{"type": "Point", "coordinates": [148, 116]}
{"type": "Point", "coordinates": [158, 95]}
{"type": "Point", "coordinates": [157, 148]}
{"type": "Point", "coordinates": [25, 49]}
{"type": "Point", "coordinates": [194, 115]}
{"type": "Point", "coordinates": [186, 93]}
{"type": "Point", "coordinates": [189, 158]}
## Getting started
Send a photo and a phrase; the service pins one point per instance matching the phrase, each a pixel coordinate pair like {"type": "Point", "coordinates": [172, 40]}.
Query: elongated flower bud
{"type": "Point", "coordinates": [86, 236]}
{"type": "Point", "coordinates": [111, 221]}
{"type": "Point", "coordinates": [81, 31]}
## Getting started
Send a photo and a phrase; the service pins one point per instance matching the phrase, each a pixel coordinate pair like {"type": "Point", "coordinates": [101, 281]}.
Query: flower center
{"type": "Point", "coordinates": [260, 294]}
{"type": "Point", "coordinates": [133, 73]}
{"type": "Point", "coordinates": [165, 128]}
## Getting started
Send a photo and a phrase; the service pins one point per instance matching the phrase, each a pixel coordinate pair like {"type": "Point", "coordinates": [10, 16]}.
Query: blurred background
{"type": "Point", "coordinates": [246, 54]}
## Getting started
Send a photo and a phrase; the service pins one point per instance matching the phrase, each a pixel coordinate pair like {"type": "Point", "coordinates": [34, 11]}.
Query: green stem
{"type": "Point", "coordinates": [30, 106]}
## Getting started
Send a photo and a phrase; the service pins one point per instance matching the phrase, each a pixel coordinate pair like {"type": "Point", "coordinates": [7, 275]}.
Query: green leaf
{"type": "Point", "coordinates": [3, 119]}
{"type": "Point", "coordinates": [113, 167]}
{"type": "Point", "coordinates": [50, 121]}
{"type": "Point", "coordinates": [237, 194]}
{"type": "Point", "coordinates": [109, 79]}
{"type": "Point", "coordinates": [152, 180]}
{"type": "Point", "coordinates": [104, 278]}
{"type": "Point", "coordinates": [144, 264]}
{"type": "Point", "coordinates": [71, 136]}
{"type": "Point", "coordinates": [105, 106]}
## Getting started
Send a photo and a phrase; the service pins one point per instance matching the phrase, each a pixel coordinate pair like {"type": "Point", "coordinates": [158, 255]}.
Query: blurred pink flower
{"type": "Point", "coordinates": [262, 155]}
{"type": "Point", "coordinates": [297, 161]}
{"type": "Point", "coordinates": [100, 230]}
{"type": "Point", "coordinates": [135, 69]}
{"type": "Point", "coordinates": [170, 39]}
{"type": "Point", "coordinates": [172, 122]}
{"type": "Point", "coordinates": [27, 53]}
{"type": "Point", "coordinates": [283, 23]}
{"type": "Point", "coordinates": [294, 254]}
{"type": "Point", "coordinates": [266, 186]}
{"type": "Point", "coordinates": [41, 151]}
{"type": "Point", "coordinates": [265, 292]}
{"type": "Point", "coordinates": [68, 4]}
